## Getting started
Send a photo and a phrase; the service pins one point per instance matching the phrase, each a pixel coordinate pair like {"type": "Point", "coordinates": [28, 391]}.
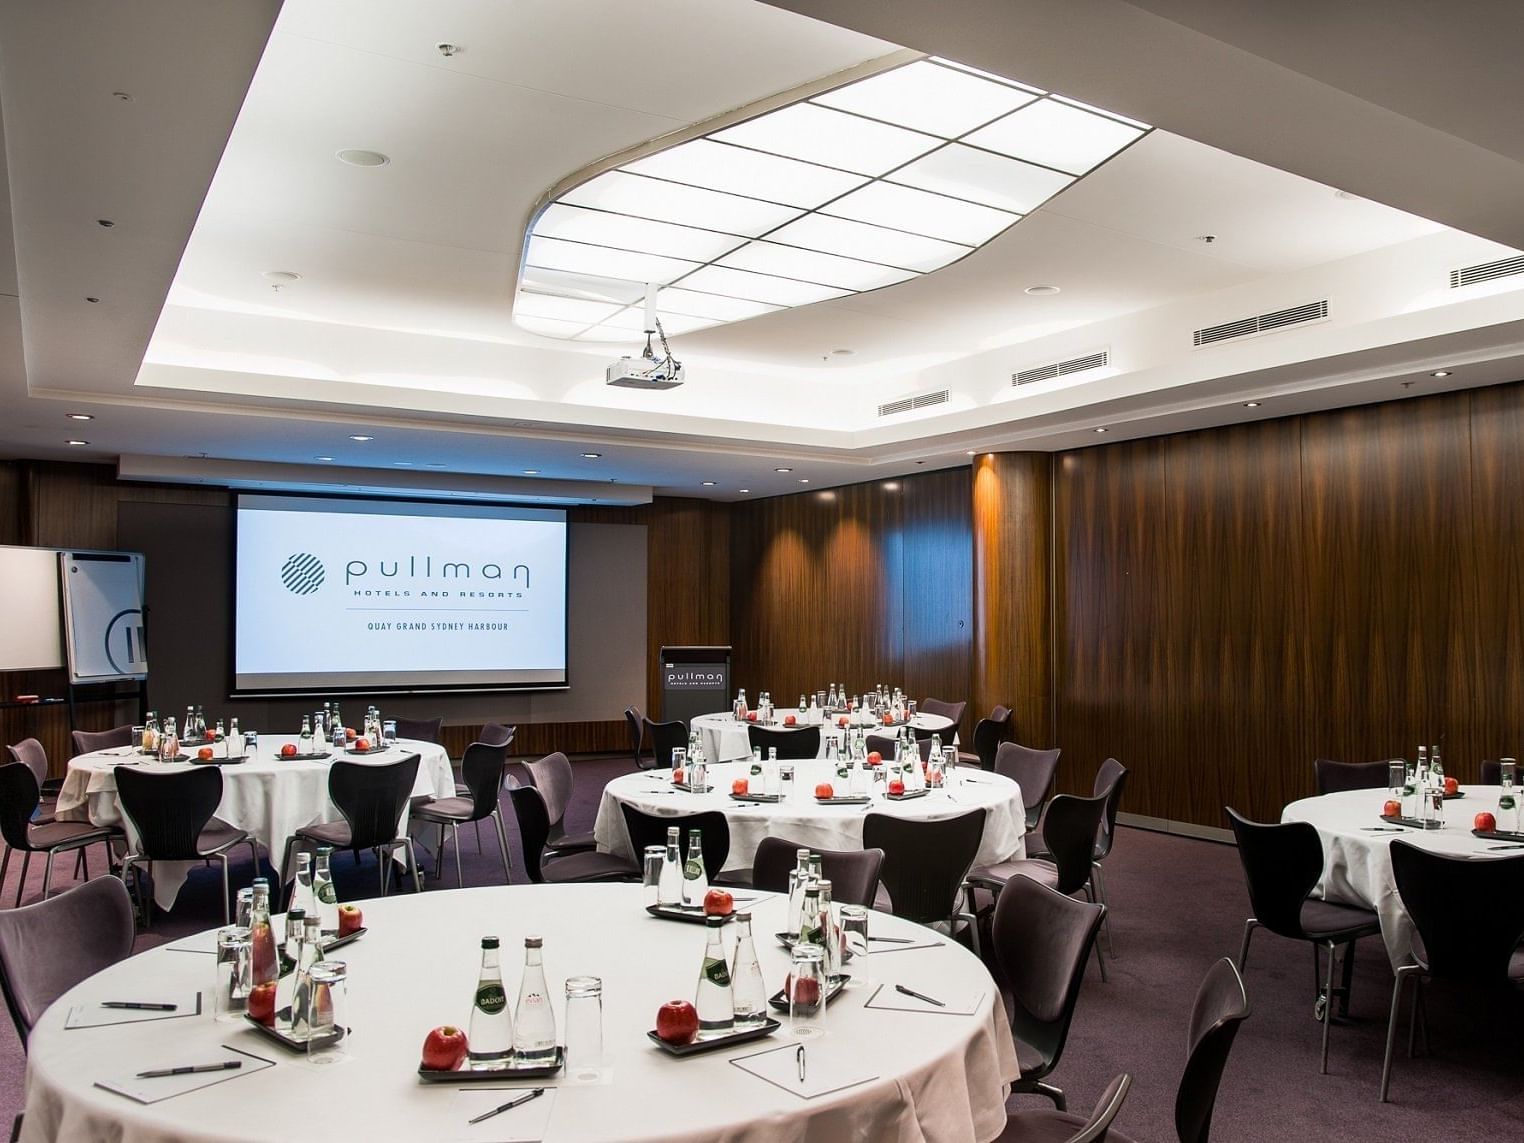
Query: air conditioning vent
{"type": "Point", "coordinates": [920, 401]}
{"type": "Point", "coordinates": [1487, 271]}
{"type": "Point", "coordinates": [1262, 323]}
{"type": "Point", "coordinates": [1061, 368]}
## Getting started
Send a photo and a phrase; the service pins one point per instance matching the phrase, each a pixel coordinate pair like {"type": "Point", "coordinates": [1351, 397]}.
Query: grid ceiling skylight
{"type": "Point", "coordinates": [869, 184]}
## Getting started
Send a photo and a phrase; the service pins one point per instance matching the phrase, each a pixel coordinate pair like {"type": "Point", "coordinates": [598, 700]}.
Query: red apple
{"type": "Point", "coordinates": [1452, 787]}
{"type": "Point", "coordinates": [751, 716]}
{"type": "Point", "coordinates": [262, 1003]}
{"type": "Point", "coordinates": [825, 790]}
{"type": "Point", "coordinates": [1485, 822]}
{"type": "Point", "coordinates": [209, 736]}
{"type": "Point", "coordinates": [350, 919]}
{"type": "Point", "coordinates": [896, 787]}
{"type": "Point", "coordinates": [444, 1048]}
{"type": "Point", "coordinates": [677, 1022]}
{"type": "Point", "coordinates": [842, 722]}
{"type": "Point", "coordinates": [888, 719]}
{"type": "Point", "coordinates": [789, 720]}
{"type": "Point", "coordinates": [805, 992]}
{"type": "Point", "coordinates": [362, 744]}
{"type": "Point", "coordinates": [204, 753]}
{"type": "Point", "coordinates": [678, 776]}
{"type": "Point", "coordinates": [288, 750]}
{"type": "Point", "coordinates": [718, 903]}
{"type": "Point", "coordinates": [874, 758]}
{"type": "Point", "coordinates": [1392, 809]}
{"type": "Point", "coordinates": [741, 786]}
{"type": "Point", "coordinates": [349, 734]}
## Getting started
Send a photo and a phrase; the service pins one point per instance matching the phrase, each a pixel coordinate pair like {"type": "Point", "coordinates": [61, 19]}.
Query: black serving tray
{"type": "Point", "coordinates": [220, 761]}
{"type": "Point", "coordinates": [789, 940]}
{"type": "Point", "coordinates": [687, 789]}
{"type": "Point", "coordinates": [324, 756]}
{"type": "Point", "coordinates": [845, 800]}
{"type": "Point", "coordinates": [699, 1047]}
{"type": "Point", "coordinates": [340, 942]}
{"type": "Point", "coordinates": [834, 988]}
{"type": "Point", "coordinates": [275, 1035]}
{"type": "Point", "coordinates": [493, 1075]}
{"type": "Point", "coordinates": [1457, 794]}
{"type": "Point", "coordinates": [682, 913]}
{"type": "Point", "coordinates": [1497, 835]}
{"type": "Point", "coordinates": [362, 753]}
{"type": "Point", "coordinates": [762, 799]}
{"type": "Point", "coordinates": [907, 795]}
{"type": "Point", "coordinates": [1411, 823]}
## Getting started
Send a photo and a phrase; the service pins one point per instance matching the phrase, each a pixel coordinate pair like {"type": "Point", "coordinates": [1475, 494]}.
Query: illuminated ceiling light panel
{"type": "Point", "coordinates": [855, 188]}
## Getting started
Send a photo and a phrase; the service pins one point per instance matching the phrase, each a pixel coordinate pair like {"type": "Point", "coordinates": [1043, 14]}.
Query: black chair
{"type": "Point", "coordinates": [635, 721]}
{"type": "Point", "coordinates": [552, 776]}
{"type": "Point", "coordinates": [1333, 777]}
{"type": "Point", "coordinates": [172, 817]}
{"type": "Point", "coordinates": [646, 829]}
{"type": "Point", "coordinates": [886, 746]}
{"type": "Point", "coordinates": [801, 743]}
{"type": "Point", "coordinates": [35, 755]}
{"type": "Point", "coordinates": [665, 737]}
{"type": "Point", "coordinates": [1032, 770]}
{"type": "Point", "coordinates": [952, 710]}
{"type": "Point", "coordinates": [1047, 1125]}
{"type": "Point", "coordinates": [482, 766]}
{"type": "Point", "coordinates": [86, 741]}
{"type": "Point", "coordinates": [48, 948]}
{"type": "Point", "coordinates": [584, 865]}
{"type": "Point", "coordinates": [1469, 917]}
{"type": "Point", "coordinates": [925, 864]}
{"type": "Point", "coordinates": [988, 735]}
{"type": "Point", "coordinates": [492, 734]}
{"type": "Point", "coordinates": [1492, 772]}
{"type": "Point", "coordinates": [419, 729]}
{"type": "Point", "coordinates": [19, 798]}
{"type": "Point", "coordinates": [1110, 781]}
{"type": "Point", "coordinates": [1041, 940]}
{"type": "Point", "coordinates": [372, 799]}
{"type": "Point", "coordinates": [1282, 864]}
{"type": "Point", "coordinates": [496, 734]}
{"type": "Point", "coordinates": [853, 873]}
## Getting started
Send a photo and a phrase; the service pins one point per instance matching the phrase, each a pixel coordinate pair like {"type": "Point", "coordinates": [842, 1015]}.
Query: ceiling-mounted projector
{"type": "Point", "coordinates": [648, 371]}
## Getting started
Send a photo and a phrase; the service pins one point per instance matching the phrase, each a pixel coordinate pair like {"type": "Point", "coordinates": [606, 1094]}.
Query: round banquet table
{"type": "Point", "coordinates": [803, 820]}
{"type": "Point", "coordinates": [726, 740]}
{"type": "Point", "coordinates": [1357, 861]}
{"type": "Point", "coordinates": [268, 797]}
{"type": "Point", "coordinates": [936, 1077]}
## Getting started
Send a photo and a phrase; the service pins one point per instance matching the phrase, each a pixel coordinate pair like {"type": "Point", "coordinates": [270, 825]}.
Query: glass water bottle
{"type": "Point", "coordinates": [716, 1009]}
{"type": "Point", "coordinates": [304, 1019]}
{"type": "Point", "coordinates": [489, 1035]}
{"type": "Point", "coordinates": [748, 993]}
{"type": "Point", "coordinates": [534, 1021]}
{"type": "Point", "coordinates": [324, 893]}
{"type": "Point", "coordinates": [798, 878]}
{"type": "Point", "coordinates": [290, 957]}
{"type": "Point", "coordinates": [695, 879]}
{"type": "Point", "coordinates": [669, 888]}
{"type": "Point", "coordinates": [304, 740]}
{"type": "Point", "coordinates": [302, 896]}
{"type": "Point", "coordinates": [261, 936]}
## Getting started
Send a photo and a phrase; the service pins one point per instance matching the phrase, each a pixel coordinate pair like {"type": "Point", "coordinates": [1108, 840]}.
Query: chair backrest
{"type": "Point", "coordinates": [988, 735]}
{"type": "Point", "coordinates": [1042, 940]}
{"type": "Point", "coordinates": [886, 744]}
{"type": "Point", "coordinates": [534, 828]}
{"type": "Point", "coordinates": [19, 796]}
{"type": "Point", "coordinates": [34, 755]}
{"type": "Point", "coordinates": [552, 776]}
{"type": "Point", "coordinates": [1068, 833]}
{"type": "Point", "coordinates": [952, 710]}
{"type": "Point", "coordinates": [1110, 781]}
{"type": "Point", "coordinates": [1032, 770]}
{"type": "Point", "coordinates": [632, 717]}
{"type": "Point", "coordinates": [665, 737]}
{"type": "Point", "coordinates": [1335, 776]}
{"type": "Point", "coordinates": [169, 810]}
{"type": "Point", "coordinates": [648, 829]}
{"type": "Point", "coordinates": [1104, 1112]}
{"type": "Point", "coordinates": [1282, 863]}
{"type": "Point", "coordinates": [925, 862]}
{"type": "Point", "coordinates": [1492, 772]}
{"type": "Point", "coordinates": [1221, 1006]}
{"type": "Point", "coordinates": [496, 734]}
{"type": "Point", "coordinates": [48, 948]}
{"type": "Point", "coordinates": [87, 740]}
{"type": "Point", "coordinates": [853, 873]}
{"type": "Point", "coordinates": [801, 743]}
{"type": "Point", "coordinates": [419, 729]}
{"type": "Point", "coordinates": [481, 768]}
{"type": "Point", "coordinates": [1469, 913]}
{"type": "Point", "coordinates": [372, 797]}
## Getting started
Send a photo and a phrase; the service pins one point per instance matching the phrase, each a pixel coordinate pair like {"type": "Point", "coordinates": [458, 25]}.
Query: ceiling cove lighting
{"type": "Point", "coordinates": [862, 186]}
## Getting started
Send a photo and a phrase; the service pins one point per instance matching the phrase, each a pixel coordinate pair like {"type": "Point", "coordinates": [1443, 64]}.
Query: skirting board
{"type": "Point", "coordinates": [1184, 829]}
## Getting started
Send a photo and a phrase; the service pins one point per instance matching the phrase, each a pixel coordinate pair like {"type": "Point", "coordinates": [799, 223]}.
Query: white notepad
{"type": "Point", "coordinates": [956, 1002]}
{"type": "Point", "coordinates": [825, 1070]}
{"type": "Point", "coordinates": [94, 1016]}
{"type": "Point", "coordinates": [527, 1123]}
{"type": "Point", "coordinates": [167, 1087]}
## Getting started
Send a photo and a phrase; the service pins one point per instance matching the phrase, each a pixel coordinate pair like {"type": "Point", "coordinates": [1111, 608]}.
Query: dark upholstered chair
{"type": "Point", "coordinates": [952, 710]}
{"type": "Point", "coordinates": [1041, 940]}
{"type": "Point", "coordinates": [172, 816]}
{"type": "Point", "coordinates": [1333, 777]}
{"type": "Point", "coordinates": [1048, 1125]}
{"type": "Point", "coordinates": [646, 829]}
{"type": "Point", "coordinates": [19, 799]}
{"type": "Point", "coordinates": [48, 948]}
{"type": "Point", "coordinates": [496, 734]}
{"type": "Point", "coordinates": [1032, 770]}
{"type": "Point", "coordinates": [87, 740]}
{"type": "Point", "coordinates": [1110, 781]}
{"type": "Point", "coordinates": [552, 776]}
{"type": "Point", "coordinates": [988, 735]}
{"type": "Point", "coordinates": [636, 722]}
{"type": "Point", "coordinates": [585, 865]}
{"type": "Point", "coordinates": [925, 864]}
{"type": "Point", "coordinates": [419, 729]}
{"type": "Point", "coordinates": [886, 744]}
{"type": "Point", "coordinates": [35, 756]}
{"type": "Point", "coordinates": [1492, 772]}
{"type": "Point", "coordinates": [801, 743]}
{"type": "Point", "coordinates": [491, 734]}
{"type": "Point", "coordinates": [372, 797]}
{"type": "Point", "coordinates": [1282, 865]}
{"type": "Point", "coordinates": [482, 767]}
{"type": "Point", "coordinates": [1470, 919]}
{"type": "Point", "coordinates": [665, 737]}
{"type": "Point", "coordinates": [853, 873]}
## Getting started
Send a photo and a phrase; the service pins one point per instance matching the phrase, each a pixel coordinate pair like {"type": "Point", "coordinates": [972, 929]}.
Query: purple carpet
{"type": "Point", "coordinates": [1178, 904]}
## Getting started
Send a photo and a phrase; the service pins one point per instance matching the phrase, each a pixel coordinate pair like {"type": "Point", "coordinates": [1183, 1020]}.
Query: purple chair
{"type": "Point", "coordinates": [572, 868]}
{"type": "Point", "coordinates": [482, 768]}
{"type": "Point", "coordinates": [1033, 771]}
{"type": "Point", "coordinates": [86, 741]}
{"type": "Point", "coordinates": [853, 873]}
{"type": "Point", "coordinates": [552, 776]}
{"type": "Point", "coordinates": [18, 803]}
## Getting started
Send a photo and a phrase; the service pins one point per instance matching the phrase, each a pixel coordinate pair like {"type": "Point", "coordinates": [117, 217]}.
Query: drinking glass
{"type": "Point", "coordinates": [679, 759]}
{"type": "Point", "coordinates": [698, 775]}
{"type": "Point", "coordinates": [329, 1040]}
{"type": "Point", "coordinates": [137, 737]}
{"type": "Point", "coordinates": [651, 874]}
{"type": "Point", "coordinates": [854, 936]}
{"type": "Point", "coordinates": [910, 709]}
{"type": "Point", "coordinates": [1508, 771]}
{"type": "Point", "coordinates": [244, 917]}
{"type": "Point", "coordinates": [1396, 777]}
{"type": "Point", "coordinates": [389, 731]}
{"type": "Point", "coordinates": [234, 977]}
{"type": "Point", "coordinates": [584, 1028]}
{"type": "Point", "coordinates": [806, 992]}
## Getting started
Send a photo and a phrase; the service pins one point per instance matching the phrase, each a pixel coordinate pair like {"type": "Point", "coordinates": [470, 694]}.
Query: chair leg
{"type": "Point", "coordinates": [460, 878]}
{"type": "Point", "coordinates": [1100, 961]}
{"type": "Point", "coordinates": [82, 863]}
{"type": "Point", "coordinates": [1243, 953]}
{"type": "Point", "coordinates": [439, 854]}
{"type": "Point", "coordinates": [383, 863]}
{"type": "Point", "coordinates": [4, 865]}
{"type": "Point", "coordinates": [478, 835]}
{"type": "Point", "coordinates": [1403, 975]}
{"type": "Point", "coordinates": [502, 841]}
{"type": "Point", "coordinates": [285, 864]}
{"type": "Point", "coordinates": [47, 875]}
{"type": "Point", "coordinates": [1056, 1094]}
{"type": "Point", "coordinates": [26, 863]}
{"type": "Point", "coordinates": [1100, 894]}
{"type": "Point", "coordinates": [412, 860]}
{"type": "Point", "coordinates": [227, 915]}
{"type": "Point", "coordinates": [1348, 980]}
{"type": "Point", "coordinates": [1333, 956]}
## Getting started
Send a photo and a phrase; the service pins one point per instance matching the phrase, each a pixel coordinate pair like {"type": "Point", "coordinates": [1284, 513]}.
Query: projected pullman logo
{"type": "Point", "coordinates": [302, 573]}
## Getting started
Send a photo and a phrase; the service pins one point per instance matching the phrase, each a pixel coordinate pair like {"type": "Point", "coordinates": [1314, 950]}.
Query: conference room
{"type": "Point", "coordinates": [614, 570]}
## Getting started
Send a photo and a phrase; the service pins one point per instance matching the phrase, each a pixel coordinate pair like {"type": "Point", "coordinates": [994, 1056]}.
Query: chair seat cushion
{"type": "Point", "coordinates": [1324, 920]}
{"type": "Point", "coordinates": [967, 759]}
{"type": "Point", "coordinates": [218, 836]}
{"type": "Point", "coordinates": [54, 833]}
{"type": "Point", "coordinates": [335, 834]}
{"type": "Point", "coordinates": [1042, 872]}
{"type": "Point", "coordinates": [1045, 1125]}
{"type": "Point", "coordinates": [1516, 967]}
{"type": "Point", "coordinates": [447, 809]}
{"type": "Point", "coordinates": [571, 842]}
{"type": "Point", "coordinates": [587, 866]}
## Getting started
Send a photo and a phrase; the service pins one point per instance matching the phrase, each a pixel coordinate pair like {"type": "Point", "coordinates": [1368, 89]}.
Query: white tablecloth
{"type": "Point", "coordinates": [801, 819]}
{"type": "Point", "coordinates": [940, 1078]}
{"type": "Point", "coordinates": [269, 798]}
{"type": "Point", "coordinates": [1357, 862]}
{"type": "Point", "coordinates": [726, 740]}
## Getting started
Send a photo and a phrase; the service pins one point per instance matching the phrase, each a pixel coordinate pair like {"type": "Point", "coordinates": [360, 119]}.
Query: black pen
{"type": "Point", "coordinates": [191, 1070]}
{"type": "Point", "coordinates": [894, 940]}
{"type": "Point", "coordinates": [919, 996]}
{"type": "Point", "coordinates": [799, 1059]}
{"type": "Point", "coordinates": [139, 1006]}
{"type": "Point", "coordinates": [509, 1106]}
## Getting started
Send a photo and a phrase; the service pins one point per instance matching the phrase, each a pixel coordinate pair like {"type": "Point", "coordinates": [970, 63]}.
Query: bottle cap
{"type": "Point", "coordinates": [534, 942]}
{"type": "Point", "coordinates": [325, 851]}
{"type": "Point", "coordinates": [296, 914]}
{"type": "Point", "coordinates": [714, 922]}
{"type": "Point", "coordinates": [489, 942]}
{"type": "Point", "coordinates": [743, 918]}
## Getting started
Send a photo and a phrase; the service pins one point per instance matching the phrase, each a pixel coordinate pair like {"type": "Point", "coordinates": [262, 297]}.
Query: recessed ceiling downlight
{"type": "Point", "coordinates": [77, 444]}
{"type": "Point", "coordinates": [356, 157]}
{"type": "Point", "coordinates": [1440, 373]}
{"type": "Point", "coordinates": [282, 276]}
{"type": "Point", "coordinates": [80, 416]}
{"type": "Point", "coordinates": [1043, 291]}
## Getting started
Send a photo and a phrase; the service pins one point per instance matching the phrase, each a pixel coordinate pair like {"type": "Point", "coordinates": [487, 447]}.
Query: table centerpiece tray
{"type": "Point", "coordinates": [845, 800]}
{"type": "Point", "coordinates": [908, 795]}
{"type": "Point", "coordinates": [1411, 823]}
{"type": "Point", "coordinates": [347, 939]}
{"type": "Point", "coordinates": [362, 753]}
{"type": "Point", "coordinates": [284, 1038]}
{"type": "Point", "coordinates": [834, 988]}
{"type": "Point", "coordinates": [1457, 794]}
{"type": "Point", "coordinates": [314, 757]}
{"type": "Point", "coordinates": [691, 914]}
{"type": "Point", "coordinates": [231, 760]}
{"type": "Point", "coordinates": [690, 789]}
{"type": "Point", "coordinates": [1497, 835]}
{"type": "Point", "coordinates": [762, 799]}
{"type": "Point", "coordinates": [494, 1075]}
{"type": "Point", "coordinates": [717, 1043]}
{"type": "Point", "coordinates": [789, 940]}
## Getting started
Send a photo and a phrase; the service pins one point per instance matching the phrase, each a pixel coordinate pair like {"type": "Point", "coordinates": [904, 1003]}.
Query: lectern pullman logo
{"type": "Point", "coordinates": [302, 573]}
{"type": "Point", "coordinates": [692, 678]}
